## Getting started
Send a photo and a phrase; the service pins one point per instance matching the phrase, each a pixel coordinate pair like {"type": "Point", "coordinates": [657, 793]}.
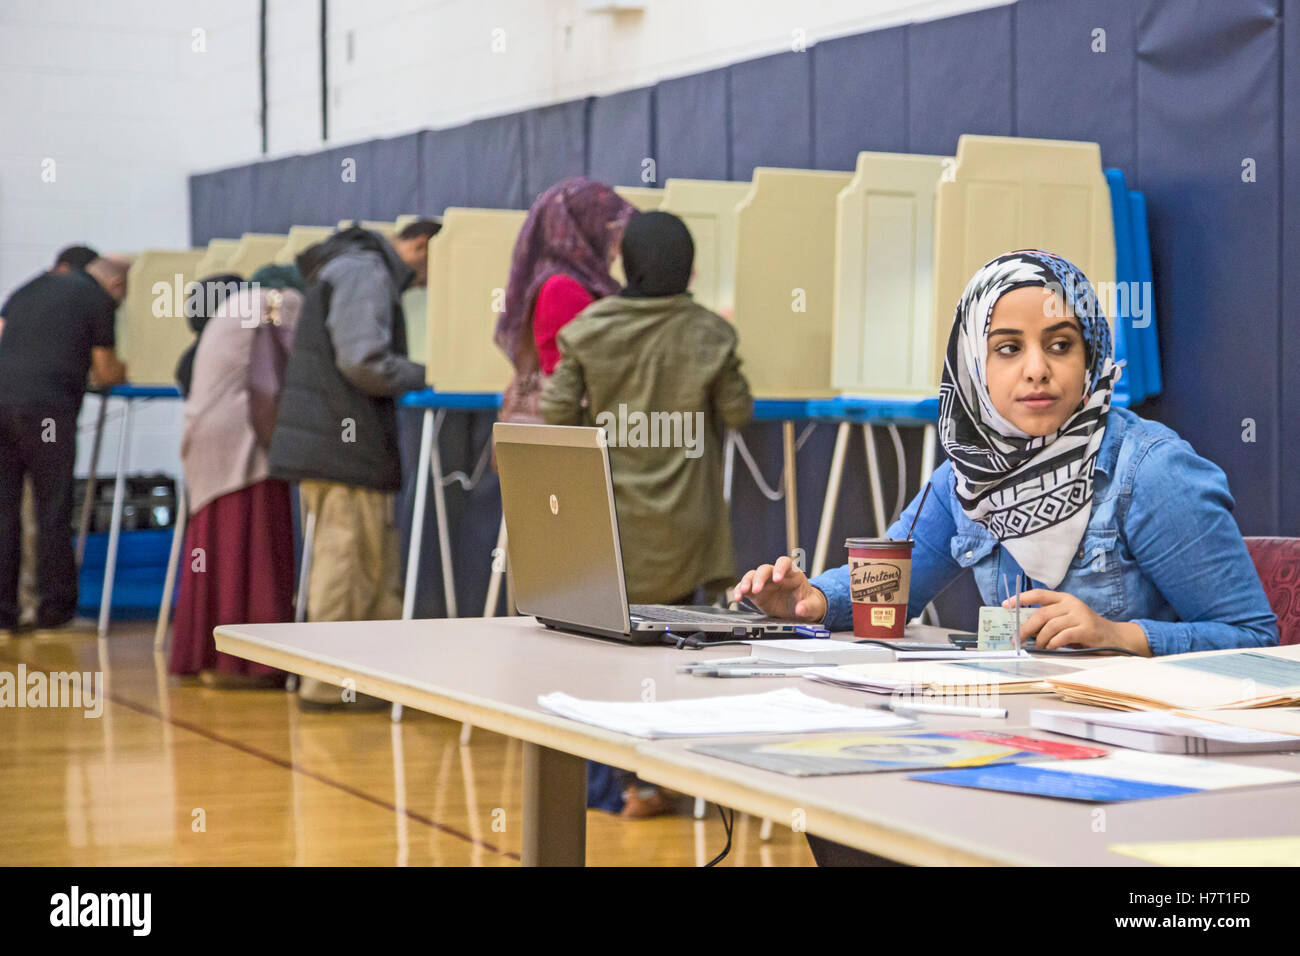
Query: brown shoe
{"type": "Point", "coordinates": [642, 800]}
{"type": "Point", "coordinates": [222, 680]}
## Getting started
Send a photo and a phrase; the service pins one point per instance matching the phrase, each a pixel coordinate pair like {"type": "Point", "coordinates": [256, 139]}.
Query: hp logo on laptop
{"type": "Point", "coordinates": [555, 505]}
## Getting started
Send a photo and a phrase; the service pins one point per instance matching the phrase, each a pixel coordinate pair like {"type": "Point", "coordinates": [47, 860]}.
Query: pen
{"type": "Point", "coordinates": [953, 710]}
{"type": "Point", "coordinates": [746, 672]}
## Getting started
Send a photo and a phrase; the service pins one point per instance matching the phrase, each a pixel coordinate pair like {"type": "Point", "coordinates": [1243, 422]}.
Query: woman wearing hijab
{"type": "Point", "coordinates": [212, 292]}
{"type": "Point", "coordinates": [660, 373]}
{"type": "Point", "coordinates": [238, 558]}
{"type": "Point", "coordinates": [560, 265]}
{"type": "Point", "coordinates": [1125, 534]}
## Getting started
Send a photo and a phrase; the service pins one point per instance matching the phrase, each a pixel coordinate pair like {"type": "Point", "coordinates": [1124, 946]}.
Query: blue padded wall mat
{"type": "Point", "coordinates": [392, 181]}
{"type": "Point", "coordinates": [1060, 81]}
{"type": "Point", "coordinates": [692, 140]}
{"type": "Point", "coordinates": [771, 113]}
{"type": "Point", "coordinates": [1208, 99]}
{"type": "Point", "coordinates": [555, 145]}
{"type": "Point", "coordinates": [859, 92]}
{"type": "Point", "coordinates": [621, 147]}
{"type": "Point", "coordinates": [959, 80]}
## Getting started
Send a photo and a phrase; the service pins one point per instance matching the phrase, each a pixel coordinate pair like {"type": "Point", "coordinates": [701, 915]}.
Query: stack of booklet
{"type": "Point", "coordinates": [1208, 680]}
{"type": "Point", "coordinates": [775, 712]}
{"type": "Point", "coordinates": [950, 678]}
{"type": "Point", "coordinates": [1160, 731]}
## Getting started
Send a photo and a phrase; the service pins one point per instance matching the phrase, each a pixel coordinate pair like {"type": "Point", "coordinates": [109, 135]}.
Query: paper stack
{"type": "Point", "coordinates": [784, 711]}
{"type": "Point", "coordinates": [1208, 680]}
{"type": "Point", "coordinates": [1159, 731]}
{"type": "Point", "coordinates": [948, 678]}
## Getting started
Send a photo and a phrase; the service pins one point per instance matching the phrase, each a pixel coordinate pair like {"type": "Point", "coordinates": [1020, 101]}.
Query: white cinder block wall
{"type": "Point", "coordinates": [107, 107]}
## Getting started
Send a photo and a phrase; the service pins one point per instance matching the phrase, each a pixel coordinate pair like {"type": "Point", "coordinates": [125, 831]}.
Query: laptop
{"type": "Point", "coordinates": [565, 561]}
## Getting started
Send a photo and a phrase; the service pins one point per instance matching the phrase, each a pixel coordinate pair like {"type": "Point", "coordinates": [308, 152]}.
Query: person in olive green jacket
{"type": "Point", "coordinates": [660, 374]}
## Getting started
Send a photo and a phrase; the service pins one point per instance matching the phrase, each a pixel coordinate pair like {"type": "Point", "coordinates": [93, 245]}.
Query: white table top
{"type": "Point", "coordinates": [490, 672]}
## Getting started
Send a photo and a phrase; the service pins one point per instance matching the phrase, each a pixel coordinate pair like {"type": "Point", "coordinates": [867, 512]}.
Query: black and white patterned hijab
{"type": "Point", "coordinates": [1034, 494]}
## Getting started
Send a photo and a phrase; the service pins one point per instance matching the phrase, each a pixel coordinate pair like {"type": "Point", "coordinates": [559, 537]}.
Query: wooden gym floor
{"type": "Point", "coordinates": [173, 773]}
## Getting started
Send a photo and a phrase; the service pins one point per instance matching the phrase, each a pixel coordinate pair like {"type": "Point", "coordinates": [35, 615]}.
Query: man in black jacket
{"type": "Point", "coordinates": [336, 430]}
{"type": "Point", "coordinates": [54, 331]}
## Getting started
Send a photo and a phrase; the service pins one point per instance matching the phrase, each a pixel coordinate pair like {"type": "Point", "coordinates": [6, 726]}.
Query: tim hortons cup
{"type": "Point", "coordinates": [880, 575]}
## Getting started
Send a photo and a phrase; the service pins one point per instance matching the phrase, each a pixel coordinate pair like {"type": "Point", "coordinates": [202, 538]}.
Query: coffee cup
{"type": "Point", "coordinates": [880, 577]}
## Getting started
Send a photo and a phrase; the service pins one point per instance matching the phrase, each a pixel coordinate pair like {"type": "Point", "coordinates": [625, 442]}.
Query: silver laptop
{"type": "Point", "coordinates": [565, 560]}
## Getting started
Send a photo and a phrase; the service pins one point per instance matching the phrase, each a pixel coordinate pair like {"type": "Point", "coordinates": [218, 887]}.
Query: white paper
{"type": "Point", "coordinates": [958, 655]}
{"type": "Point", "coordinates": [774, 712]}
{"type": "Point", "coordinates": [1173, 770]}
{"type": "Point", "coordinates": [1163, 722]}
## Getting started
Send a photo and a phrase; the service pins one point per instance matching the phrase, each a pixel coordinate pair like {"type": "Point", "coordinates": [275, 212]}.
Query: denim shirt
{"type": "Point", "coordinates": [1161, 548]}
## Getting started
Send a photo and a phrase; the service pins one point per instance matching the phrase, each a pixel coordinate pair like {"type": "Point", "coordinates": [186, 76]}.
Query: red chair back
{"type": "Point", "coordinates": [1277, 561]}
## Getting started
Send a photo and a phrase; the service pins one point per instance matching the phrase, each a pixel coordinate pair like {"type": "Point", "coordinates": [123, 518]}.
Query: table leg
{"type": "Point", "coordinates": [791, 493]}
{"type": "Point", "coordinates": [498, 572]}
{"type": "Point", "coordinates": [417, 518]}
{"type": "Point", "coordinates": [304, 575]}
{"type": "Point", "coordinates": [555, 808]}
{"type": "Point", "coordinates": [440, 509]}
{"type": "Point", "coordinates": [88, 500]}
{"type": "Point", "coordinates": [873, 476]}
{"type": "Point", "coordinates": [115, 529]}
{"type": "Point", "coordinates": [832, 500]}
{"type": "Point", "coordinates": [173, 561]}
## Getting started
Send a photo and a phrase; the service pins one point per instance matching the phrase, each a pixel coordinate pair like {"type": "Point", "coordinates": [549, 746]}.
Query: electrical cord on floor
{"type": "Point", "coordinates": [727, 823]}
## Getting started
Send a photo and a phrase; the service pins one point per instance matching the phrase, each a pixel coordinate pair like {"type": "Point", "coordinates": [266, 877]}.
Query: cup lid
{"type": "Point", "coordinates": [881, 543]}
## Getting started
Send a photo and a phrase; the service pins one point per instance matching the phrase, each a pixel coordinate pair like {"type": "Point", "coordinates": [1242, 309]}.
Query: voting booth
{"type": "Point", "coordinates": [152, 330]}
{"type": "Point", "coordinates": [469, 264]}
{"type": "Point", "coordinates": [299, 239]}
{"type": "Point", "coordinates": [885, 341]}
{"type": "Point", "coordinates": [644, 198]}
{"type": "Point", "coordinates": [709, 210]}
{"type": "Point", "coordinates": [214, 260]}
{"type": "Point", "coordinates": [785, 277]}
{"type": "Point", "coordinates": [1005, 193]}
{"type": "Point", "coordinates": [255, 250]}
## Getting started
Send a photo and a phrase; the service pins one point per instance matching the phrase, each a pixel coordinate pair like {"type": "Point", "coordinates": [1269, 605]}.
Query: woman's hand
{"type": "Point", "coordinates": [782, 590]}
{"type": "Point", "coordinates": [1064, 620]}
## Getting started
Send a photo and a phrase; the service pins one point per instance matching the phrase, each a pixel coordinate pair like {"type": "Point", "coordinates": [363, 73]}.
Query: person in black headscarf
{"type": "Point", "coordinates": [661, 375]}
{"type": "Point", "coordinates": [200, 305]}
{"type": "Point", "coordinates": [658, 256]}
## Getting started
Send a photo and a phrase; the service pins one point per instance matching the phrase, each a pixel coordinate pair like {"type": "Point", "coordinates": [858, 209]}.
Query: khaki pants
{"type": "Point", "coordinates": [355, 574]}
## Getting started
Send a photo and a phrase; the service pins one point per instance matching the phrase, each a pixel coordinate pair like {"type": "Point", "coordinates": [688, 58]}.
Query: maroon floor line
{"type": "Point", "coordinates": [295, 768]}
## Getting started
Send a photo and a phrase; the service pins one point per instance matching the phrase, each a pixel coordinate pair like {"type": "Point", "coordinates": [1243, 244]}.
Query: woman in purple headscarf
{"type": "Point", "coordinates": [560, 266]}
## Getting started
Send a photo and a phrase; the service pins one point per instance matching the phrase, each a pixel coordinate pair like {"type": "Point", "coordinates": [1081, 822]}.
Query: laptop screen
{"type": "Point", "coordinates": [562, 535]}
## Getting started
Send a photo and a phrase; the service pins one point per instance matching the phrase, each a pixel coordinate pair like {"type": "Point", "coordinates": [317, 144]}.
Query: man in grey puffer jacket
{"type": "Point", "coordinates": [336, 429]}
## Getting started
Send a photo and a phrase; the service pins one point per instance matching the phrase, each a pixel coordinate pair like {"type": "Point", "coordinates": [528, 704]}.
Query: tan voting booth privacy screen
{"type": "Point", "coordinates": [785, 276]}
{"type": "Point", "coordinates": [1005, 193]}
{"type": "Point", "coordinates": [884, 340]}
{"type": "Point", "coordinates": [219, 252]}
{"type": "Point", "coordinates": [152, 330]}
{"type": "Point", "coordinates": [300, 239]}
{"type": "Point", "coordinates": [469, 264]}
{"type": "Point", "coordinates": [709, 210]}
{"type": "Point", "coordinates": [255, 250]}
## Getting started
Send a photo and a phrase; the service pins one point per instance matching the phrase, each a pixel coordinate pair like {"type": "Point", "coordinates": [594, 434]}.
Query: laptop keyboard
{"type": "Point", "coordinates": [684, 615]}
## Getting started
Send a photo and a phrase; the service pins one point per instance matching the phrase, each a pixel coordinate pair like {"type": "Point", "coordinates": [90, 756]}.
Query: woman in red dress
{"type": "Point", "coordinates": [237, 567]}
